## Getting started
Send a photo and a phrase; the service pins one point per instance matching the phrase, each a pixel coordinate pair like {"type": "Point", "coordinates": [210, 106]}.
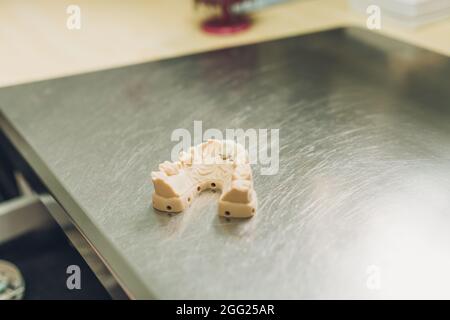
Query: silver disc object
{"type": "Point", "coordinates": [12, 285]}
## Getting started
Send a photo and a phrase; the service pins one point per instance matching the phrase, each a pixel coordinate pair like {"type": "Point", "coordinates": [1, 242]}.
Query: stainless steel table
{"type": "Point", "coordinates": [360, 207]}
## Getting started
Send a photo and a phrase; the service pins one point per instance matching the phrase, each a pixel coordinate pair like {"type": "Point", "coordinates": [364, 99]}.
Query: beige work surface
{"type": "Point", "coordinates": [35, 43]}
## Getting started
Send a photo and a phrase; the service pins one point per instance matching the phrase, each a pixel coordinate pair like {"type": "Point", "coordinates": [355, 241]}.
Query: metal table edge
{"type": "Point", "coordinates": [127, 278]}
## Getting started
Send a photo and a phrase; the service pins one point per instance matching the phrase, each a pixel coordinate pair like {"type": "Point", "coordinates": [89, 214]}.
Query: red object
{"type": "Point", "coordinates": [227, 23]}
{"type": "Point", "coordinates": [220, 26]}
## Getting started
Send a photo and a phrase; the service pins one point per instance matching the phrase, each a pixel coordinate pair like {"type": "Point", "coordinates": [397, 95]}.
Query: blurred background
{"type": "Point", "coordinates": [36, 43]}
{"type": "Point", "coordinates": [40, 40]}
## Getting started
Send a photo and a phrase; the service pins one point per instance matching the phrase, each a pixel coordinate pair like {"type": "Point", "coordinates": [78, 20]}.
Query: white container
{"type": "Point", "coordinates": [411, 13]}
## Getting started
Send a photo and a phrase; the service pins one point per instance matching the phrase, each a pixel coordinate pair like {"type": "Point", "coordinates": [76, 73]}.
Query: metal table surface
{"type": "Point", "coordinates": [360, 207]}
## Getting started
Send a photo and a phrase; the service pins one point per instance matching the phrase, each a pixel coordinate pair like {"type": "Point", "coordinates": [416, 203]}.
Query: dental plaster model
{"type": "Point", "coordinates": [210, 165]}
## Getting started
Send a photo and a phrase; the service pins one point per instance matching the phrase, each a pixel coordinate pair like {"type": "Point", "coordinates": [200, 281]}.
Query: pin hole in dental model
{"type": "Point", "coordinates": [214, 164]}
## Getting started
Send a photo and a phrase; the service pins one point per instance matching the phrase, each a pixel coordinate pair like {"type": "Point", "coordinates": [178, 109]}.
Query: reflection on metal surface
{"type": "Point", "coordinates": [358, 209]}
{"type": "Point", "coordinates": [12, 285]}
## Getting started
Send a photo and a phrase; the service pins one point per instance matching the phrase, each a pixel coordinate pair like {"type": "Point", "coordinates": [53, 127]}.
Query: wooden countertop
{"type": "Point", "coordinates": [36, 44]}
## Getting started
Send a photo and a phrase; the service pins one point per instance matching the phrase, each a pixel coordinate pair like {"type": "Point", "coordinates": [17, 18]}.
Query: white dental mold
{"type": "Point", "coordinates": [214, 164]}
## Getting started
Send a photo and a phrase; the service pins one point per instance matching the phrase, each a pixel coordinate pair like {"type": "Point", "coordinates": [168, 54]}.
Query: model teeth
{"type": "Point", "coordinates": [211, 165]}
{"type": "Point", "coordinates": [169, 168]}
{"type": "Point", "coordinates": [240, 192]}
{"type": "Point", "coordinates": [242, 172]}
{"type": "Point", "coordinates": [162, 188]}
{"type": "Point", "coordinates": [185, 158]}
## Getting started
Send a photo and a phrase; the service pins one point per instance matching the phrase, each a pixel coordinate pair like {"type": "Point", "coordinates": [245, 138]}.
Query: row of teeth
{"type": "Point", "coordinates": [241, 171]}
{"type": "Point", "coordinates": [206, 154]}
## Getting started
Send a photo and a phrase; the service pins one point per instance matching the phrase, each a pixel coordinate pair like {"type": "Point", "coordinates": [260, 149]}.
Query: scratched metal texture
{"type": "Point", "coordinates": [360, 207]}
